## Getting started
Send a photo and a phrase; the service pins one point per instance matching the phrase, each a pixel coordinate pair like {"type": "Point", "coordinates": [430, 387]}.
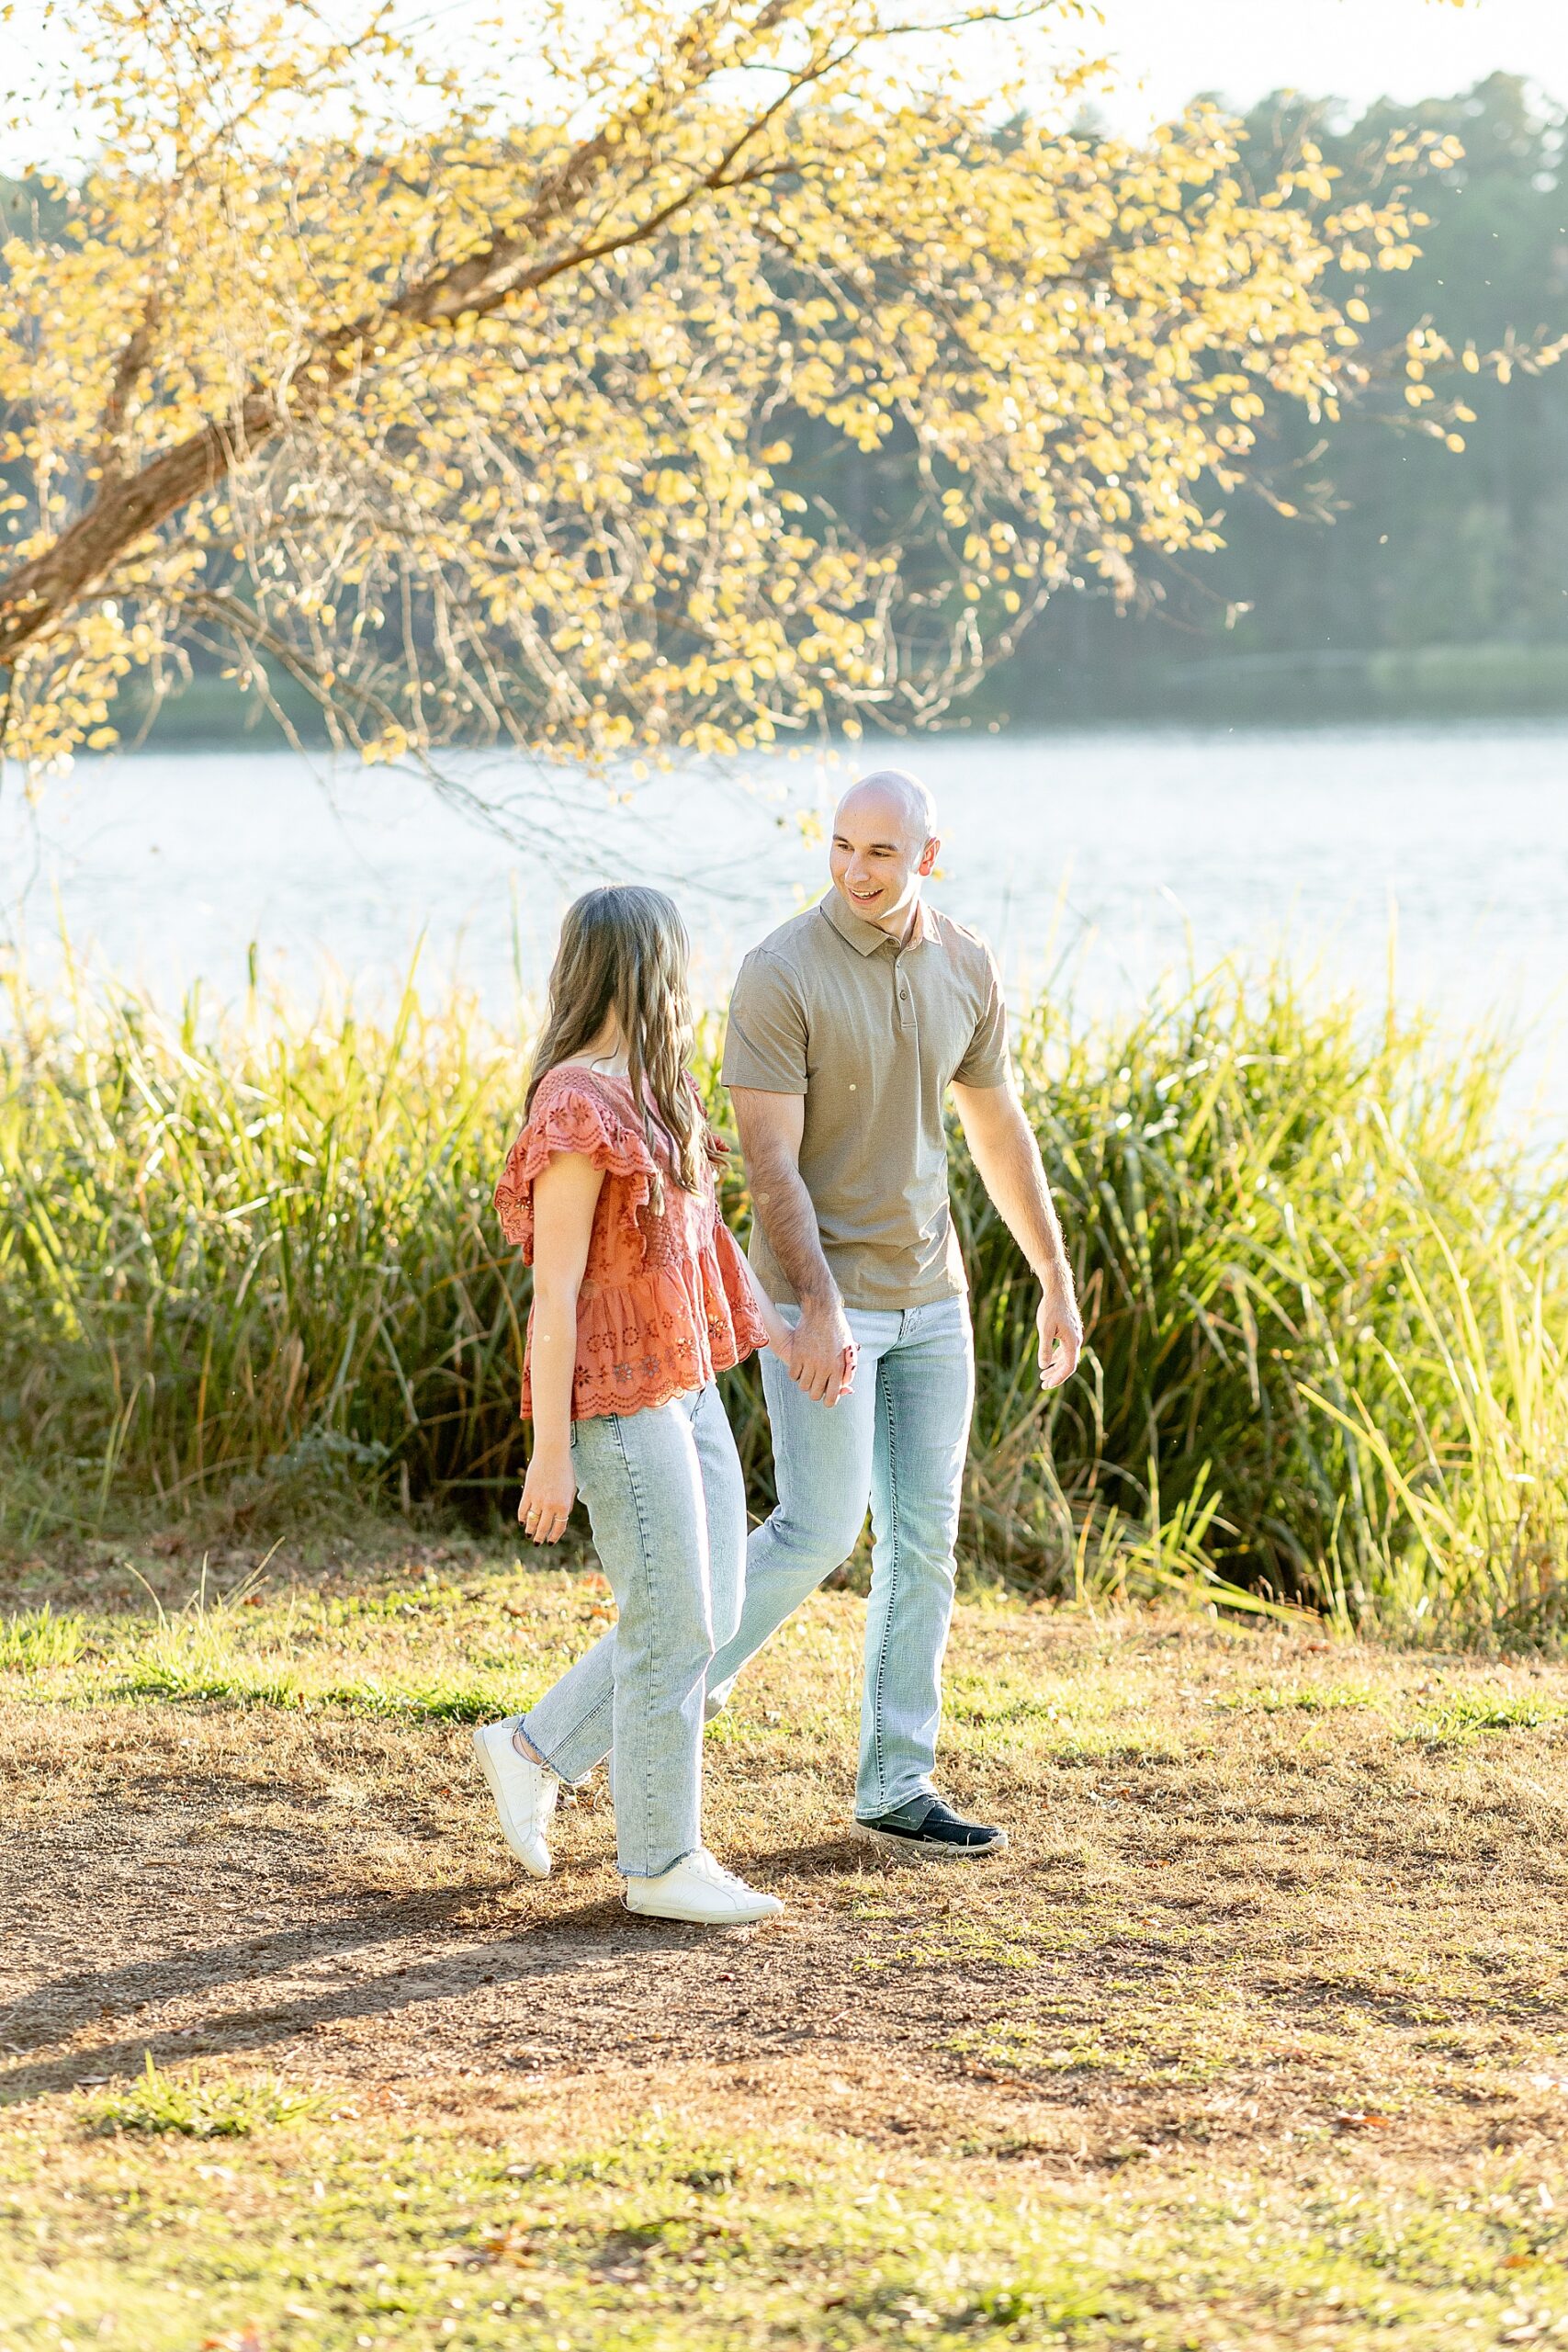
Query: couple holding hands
{"type": "Point", "coordinates": [847, 1028]}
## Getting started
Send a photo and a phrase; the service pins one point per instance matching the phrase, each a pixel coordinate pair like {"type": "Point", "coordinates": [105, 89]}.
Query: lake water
{"type": "Point", "coordinates": [1093, 861]}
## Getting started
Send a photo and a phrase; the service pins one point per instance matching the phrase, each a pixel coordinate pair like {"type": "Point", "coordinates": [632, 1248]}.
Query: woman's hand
{"type": "Point", "coordinates": [774, 1324]}
{"type": "Point", "coordinates": [548, 1492]}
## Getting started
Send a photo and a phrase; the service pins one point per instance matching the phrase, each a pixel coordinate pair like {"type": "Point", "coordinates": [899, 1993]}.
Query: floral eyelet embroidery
{"type": "Point", "coordinates": [665, 1302]}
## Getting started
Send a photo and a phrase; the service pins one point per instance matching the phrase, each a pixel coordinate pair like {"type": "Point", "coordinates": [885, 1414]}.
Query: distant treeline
{"type": "Point", "coordinates": [1440, 585]}
{"type": "Point", "coordinates": [1411, 581]}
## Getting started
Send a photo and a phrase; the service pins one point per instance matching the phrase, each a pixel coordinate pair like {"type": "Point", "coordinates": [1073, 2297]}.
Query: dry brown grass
{"type": "Point", "coordinates": [1274, 1912]}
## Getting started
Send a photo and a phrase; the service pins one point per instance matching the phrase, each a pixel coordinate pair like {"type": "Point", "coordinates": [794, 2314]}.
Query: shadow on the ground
{"type": "Point", "coordinates": [57, 2010]}
{"type": "Point", "coordinates": [471, 1956]}
{"type": "Point", "coordinates": [829, 1858]}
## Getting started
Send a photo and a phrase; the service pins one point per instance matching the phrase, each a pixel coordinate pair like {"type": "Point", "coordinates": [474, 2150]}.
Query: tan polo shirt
{"type": "Point", "coordinates": [869, 1032]}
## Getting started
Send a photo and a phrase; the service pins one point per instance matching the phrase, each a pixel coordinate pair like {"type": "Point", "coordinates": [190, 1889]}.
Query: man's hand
{"type": "Point", "coordinates": [1060, 1326]}
{"type": "Point", "coordinates": [822, 1354]}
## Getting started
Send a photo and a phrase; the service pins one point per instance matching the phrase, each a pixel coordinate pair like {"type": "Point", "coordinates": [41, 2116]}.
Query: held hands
{"type": "Point", "coordinates": [548, 1492]}
{"type": "Point", "coordinates": [1060, 1326]}
{"type": "Point", "coordinates": [819, 1353]}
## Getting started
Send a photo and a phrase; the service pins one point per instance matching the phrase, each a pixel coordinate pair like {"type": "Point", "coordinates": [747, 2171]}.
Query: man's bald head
{"type": "Point", "coordinates": [883, 846]}
{"type": "Point", "coordinates": [893, 789]}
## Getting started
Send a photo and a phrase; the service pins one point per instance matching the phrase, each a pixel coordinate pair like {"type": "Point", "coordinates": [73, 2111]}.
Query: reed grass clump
{"type": "Point", "coordinates": [1327, 1306]}
{"type": "Point", "coordinates": [248, 1261]}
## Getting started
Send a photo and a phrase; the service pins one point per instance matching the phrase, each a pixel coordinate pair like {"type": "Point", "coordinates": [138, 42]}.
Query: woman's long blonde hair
{"type": "Point", "coordinates": [624, 949]}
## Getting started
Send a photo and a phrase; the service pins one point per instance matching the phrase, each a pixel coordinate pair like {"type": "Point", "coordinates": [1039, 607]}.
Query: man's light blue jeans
{"type": "Point", "coordinates": [667, 1503]}
{"type": "Point", "coordinates": [897, 1442]}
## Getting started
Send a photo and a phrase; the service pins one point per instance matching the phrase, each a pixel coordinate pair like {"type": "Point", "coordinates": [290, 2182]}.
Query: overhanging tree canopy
{"type": "Point", "coordinates": [491, 416]}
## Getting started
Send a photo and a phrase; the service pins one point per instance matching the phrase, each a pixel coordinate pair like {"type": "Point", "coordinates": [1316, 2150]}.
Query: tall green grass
{"type": "Point", "coordinates": [1326, 1298]}
{"type": "Point", "coordinates": [245, 1259]}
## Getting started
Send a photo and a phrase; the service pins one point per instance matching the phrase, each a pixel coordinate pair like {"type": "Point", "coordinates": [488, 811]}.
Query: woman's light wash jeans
{"type": "Point", "coordinates": [667, 1504]}
{"type": "Point", "coordinates": [897, 1441]}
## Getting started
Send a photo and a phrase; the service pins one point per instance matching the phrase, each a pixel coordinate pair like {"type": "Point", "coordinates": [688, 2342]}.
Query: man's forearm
{"type": "Point", "coordinates": [1012, 1173]}
{"type": "Point", "coordinates": [783, 1209]}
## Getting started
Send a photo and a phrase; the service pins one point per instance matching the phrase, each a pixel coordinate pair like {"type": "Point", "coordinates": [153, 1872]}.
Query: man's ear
{"type": "Point", "coordinates": [929, 856]}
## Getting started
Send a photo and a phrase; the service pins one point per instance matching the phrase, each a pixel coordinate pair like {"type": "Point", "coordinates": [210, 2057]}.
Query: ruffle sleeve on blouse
{"type": "Point", "coordinates": [568, 1119]}
{"type": "Point", "coordinates": [664, 1301]}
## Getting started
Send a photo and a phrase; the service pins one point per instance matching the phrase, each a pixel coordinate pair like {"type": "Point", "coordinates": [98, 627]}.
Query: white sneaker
{"type": "Point", "coordinates": [524, 1796]}
{"type": "Point", "coordinates": [696, 1890]}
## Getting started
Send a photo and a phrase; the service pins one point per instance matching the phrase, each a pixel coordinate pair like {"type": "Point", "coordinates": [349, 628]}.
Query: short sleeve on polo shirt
{"type": "Point", "coordinates": [765, 1043]}
{"type": "Point", "coordinates": [985, 1059]}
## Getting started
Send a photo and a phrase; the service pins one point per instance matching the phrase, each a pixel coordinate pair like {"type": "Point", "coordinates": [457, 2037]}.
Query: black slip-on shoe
{"type": "Point", "coordinates": [930, 1831]}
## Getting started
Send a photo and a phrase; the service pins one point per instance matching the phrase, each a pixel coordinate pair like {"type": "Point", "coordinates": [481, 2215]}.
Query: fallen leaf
{"type": "Point", "coordinates": [1003, 2082]}
{"type": "Point", "coordinates": [507, 2243]}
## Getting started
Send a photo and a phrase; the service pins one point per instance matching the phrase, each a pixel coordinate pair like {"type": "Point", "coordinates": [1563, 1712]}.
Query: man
{"type": "Point", "coordinates": [847, 1028]}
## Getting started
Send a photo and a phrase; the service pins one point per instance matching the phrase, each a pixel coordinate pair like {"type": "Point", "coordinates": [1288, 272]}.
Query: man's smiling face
{"type": "Point", "coordinates": [882, 846]}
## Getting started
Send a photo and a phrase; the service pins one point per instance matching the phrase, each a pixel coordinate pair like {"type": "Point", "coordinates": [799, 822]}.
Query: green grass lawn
{"type": "Point", "coordinates": [1258, 2035]}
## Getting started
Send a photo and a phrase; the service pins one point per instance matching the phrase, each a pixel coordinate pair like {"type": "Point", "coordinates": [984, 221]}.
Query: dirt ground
{"type": "Point", "coordinates": [1233, 1920]}
{"type": "Point", "coordinates": [1268, 1902]}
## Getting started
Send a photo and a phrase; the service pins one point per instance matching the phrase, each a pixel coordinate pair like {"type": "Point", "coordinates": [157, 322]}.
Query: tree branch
{"type": "Point", "coordinates": [132, 364]}
{"type": "Point", "coordinates": [125, 512]}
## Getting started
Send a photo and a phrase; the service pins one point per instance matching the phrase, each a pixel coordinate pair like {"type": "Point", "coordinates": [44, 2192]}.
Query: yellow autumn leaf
{"type": "Point", "coordinates": [525, 416]}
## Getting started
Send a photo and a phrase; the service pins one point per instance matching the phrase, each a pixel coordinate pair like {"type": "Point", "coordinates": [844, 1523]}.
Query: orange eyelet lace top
{"type": "Point", "coordinates": [665, 1302]}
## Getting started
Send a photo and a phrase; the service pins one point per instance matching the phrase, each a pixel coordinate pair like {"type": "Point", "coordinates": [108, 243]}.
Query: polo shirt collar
{"type": "Point", "coordinates": [865, 937]}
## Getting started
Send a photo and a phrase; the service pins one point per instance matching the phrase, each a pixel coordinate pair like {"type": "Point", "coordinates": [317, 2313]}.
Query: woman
{"type": "Point", "coordinates": [641, 1296]}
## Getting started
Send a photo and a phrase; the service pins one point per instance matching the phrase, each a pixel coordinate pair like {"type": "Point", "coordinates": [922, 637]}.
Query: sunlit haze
{"type": "Point", "coordinates": [1162, 53]}
{"type": "Point", "coordinates": [1357, 50]}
